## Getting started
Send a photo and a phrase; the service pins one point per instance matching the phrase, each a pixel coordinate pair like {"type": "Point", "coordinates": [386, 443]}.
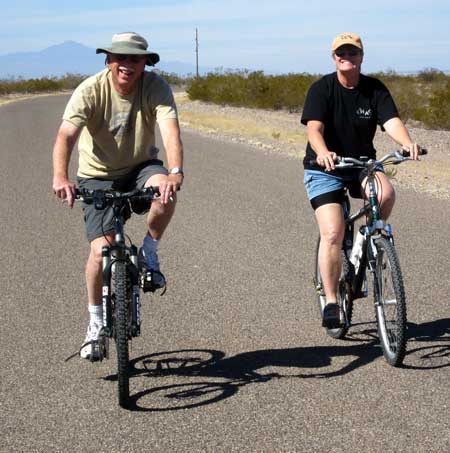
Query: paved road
{"type": "Point", "coordinates": [238, 257]}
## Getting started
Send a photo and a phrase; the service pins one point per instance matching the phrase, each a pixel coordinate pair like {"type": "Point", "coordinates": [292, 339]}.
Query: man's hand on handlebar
{"type": "Point", "coordinates": [326, 160]}
{"type": "Point", "coordinates": [65, 189]}
{"type": "Point", "coordinates": [169, 187]}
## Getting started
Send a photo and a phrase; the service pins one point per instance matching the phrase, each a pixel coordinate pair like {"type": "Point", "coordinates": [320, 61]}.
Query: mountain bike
{"type": "Point", "coordinates": [373, 253]}
{"type": "Point", "coordinates": [121, 280]}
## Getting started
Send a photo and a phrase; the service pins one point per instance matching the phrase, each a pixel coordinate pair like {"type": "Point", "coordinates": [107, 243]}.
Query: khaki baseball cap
{"type": "Point", "coordinates": [347, 38]}
{"type": "Point", "coordinates": [130, 43]}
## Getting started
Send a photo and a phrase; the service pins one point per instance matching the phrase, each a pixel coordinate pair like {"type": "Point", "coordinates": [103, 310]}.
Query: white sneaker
{"type": "Point", "coordinates": [90, 349]}
{"type": "Point", "coordinates": [149, 264]}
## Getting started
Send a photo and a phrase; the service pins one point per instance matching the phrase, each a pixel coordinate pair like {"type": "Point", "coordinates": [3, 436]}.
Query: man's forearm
{"type": "Point", "coordinates": [62, 150]}
{"type": "Point", "coordinates": [61, 159]}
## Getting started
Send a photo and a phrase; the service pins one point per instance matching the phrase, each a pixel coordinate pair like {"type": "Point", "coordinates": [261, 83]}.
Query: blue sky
{"type": "Point", "coordinates": [275, 36]}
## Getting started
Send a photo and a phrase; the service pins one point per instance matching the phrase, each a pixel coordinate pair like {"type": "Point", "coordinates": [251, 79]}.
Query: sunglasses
{"type": "Point", "coordinates": [348, 53]}
{"type": "Point", "coordinates": [132, 58]}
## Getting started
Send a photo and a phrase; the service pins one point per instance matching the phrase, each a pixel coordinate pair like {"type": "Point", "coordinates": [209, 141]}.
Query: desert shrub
{"type": "Point", "coordinates": [29, 86]}
{"type": "Point", "coordinates": [436, 113]}
{"type": "Point", "coordinates": [43, 84]}
{"type": "Point", "coordinates": [71, 81]}
{"type": "Point", "coordinates": [172, 78]}
{"type": "Point", "coordinates": [252, 89]}
{"type": "Point", "coordinates": [432, 75]}
{"type": "Point", "coordinates": [421, 97]}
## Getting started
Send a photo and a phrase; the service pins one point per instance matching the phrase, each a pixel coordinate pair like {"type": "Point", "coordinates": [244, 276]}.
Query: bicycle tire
{"type": "Point", "coordinates": [121, 332]}
{"type": "Point", "coordinates": [345, 299]}
{"type": "Point", "coordinates": [390, 302]}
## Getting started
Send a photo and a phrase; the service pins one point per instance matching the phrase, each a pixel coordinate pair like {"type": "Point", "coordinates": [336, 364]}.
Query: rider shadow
{"type": "Point", "coordinates": [433, 344]}
{"type": "Point", "coordinates": [198, 367]}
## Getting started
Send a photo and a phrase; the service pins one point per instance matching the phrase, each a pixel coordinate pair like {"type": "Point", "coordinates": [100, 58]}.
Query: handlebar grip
{"type": "Point", "coordinates": [422, 152]}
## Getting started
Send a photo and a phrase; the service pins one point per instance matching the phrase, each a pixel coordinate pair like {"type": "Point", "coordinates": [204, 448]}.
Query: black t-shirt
{"type": "Point", "coordinates": [350, 116]}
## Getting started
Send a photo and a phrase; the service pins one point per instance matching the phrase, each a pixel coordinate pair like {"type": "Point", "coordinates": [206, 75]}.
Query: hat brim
{"type": "Point", "coordinates": [152, 58]}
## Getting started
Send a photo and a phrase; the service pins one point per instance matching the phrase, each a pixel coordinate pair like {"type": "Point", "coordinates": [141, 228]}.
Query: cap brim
{"type": "Point", "coordinates": [347, 43]}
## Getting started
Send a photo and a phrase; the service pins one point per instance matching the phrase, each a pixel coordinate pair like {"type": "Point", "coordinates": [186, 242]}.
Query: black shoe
{"type": "Point", "coordinates": [151, 280]}
{"type": "Point", "coordinates": [331, 316]}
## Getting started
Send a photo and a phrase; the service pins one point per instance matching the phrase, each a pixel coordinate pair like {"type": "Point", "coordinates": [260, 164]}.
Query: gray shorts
{"type": "Point", "coordinates": [100, 222]}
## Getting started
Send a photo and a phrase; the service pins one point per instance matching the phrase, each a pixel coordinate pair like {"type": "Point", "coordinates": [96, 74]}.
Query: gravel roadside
{"type": "Point", "coordinates": [281, 132]}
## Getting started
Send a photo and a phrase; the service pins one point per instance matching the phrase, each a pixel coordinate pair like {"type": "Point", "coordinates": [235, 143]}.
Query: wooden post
{"type": "Point", "coordinates": [196, 50]}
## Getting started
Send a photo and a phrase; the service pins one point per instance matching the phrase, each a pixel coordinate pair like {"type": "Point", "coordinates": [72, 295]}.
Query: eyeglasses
{"type": "Point", "coordinates": [348, 53]}
{"type": "Point", "coordinates": [132, 58]}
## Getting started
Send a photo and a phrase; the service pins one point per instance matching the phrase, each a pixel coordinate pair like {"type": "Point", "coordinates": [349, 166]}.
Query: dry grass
{"type": "Point", "coordinates": [273, 135]}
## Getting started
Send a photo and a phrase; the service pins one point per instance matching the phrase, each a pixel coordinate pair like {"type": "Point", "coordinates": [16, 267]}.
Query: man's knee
{"type": "Point", "coordinates": [96, 247]}
{"type": "Point", "coordinates": [163, 210]}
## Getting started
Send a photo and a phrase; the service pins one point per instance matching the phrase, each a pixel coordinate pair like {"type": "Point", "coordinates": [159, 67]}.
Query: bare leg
{"type": "Point", "coordinates": [331, 226]}
{"type": "Point", "coordinates": [94, 270]}
{"type": "Point", "coordinates": [386, 194]}
{"type": "Point", "coordinates": [159, 215]}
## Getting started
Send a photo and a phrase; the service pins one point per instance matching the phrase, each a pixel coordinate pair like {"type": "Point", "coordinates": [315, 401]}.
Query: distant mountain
{"type": "Point", "coordinates": [70, 57]}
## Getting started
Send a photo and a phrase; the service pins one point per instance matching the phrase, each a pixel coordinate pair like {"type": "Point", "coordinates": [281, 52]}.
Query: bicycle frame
{"type": "Point", "coordinates": [371, 229]}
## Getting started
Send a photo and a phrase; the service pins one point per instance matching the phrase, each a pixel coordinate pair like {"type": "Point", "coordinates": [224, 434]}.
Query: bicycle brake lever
{"type": "Point", "coordinates": [99, 199]}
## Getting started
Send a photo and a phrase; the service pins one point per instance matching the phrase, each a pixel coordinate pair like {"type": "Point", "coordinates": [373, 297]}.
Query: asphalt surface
{"type": "Point", "coordinates": [233, 357]}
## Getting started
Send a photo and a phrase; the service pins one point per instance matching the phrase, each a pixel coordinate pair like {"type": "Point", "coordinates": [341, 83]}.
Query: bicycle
{"type": "Point", "coordinates": [121, 281]}
{"type": "Point", "coordinates": [373, 251]}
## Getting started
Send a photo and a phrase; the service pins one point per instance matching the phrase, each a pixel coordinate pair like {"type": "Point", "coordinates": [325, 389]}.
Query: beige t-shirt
{"type": "Point", "coordinates": [118, 130]}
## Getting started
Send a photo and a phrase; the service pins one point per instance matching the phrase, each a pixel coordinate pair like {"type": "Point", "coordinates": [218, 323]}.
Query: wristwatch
{"type": "Point", "coordinates": [176, 171]}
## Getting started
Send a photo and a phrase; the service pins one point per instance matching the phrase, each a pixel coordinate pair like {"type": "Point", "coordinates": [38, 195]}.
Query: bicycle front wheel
{"type": "Point", "coordinates": [121, 331]}
{"type": "Point", "coordinates": [390, 302]}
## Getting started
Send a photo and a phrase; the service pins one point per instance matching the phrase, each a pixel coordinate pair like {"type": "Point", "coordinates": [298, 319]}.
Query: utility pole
{"type": "Point", "coordinates": [196, 50]}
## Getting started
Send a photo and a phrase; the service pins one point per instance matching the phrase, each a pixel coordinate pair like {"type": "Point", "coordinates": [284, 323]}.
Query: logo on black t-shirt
{"type": "Point", "coordinates": [364, 114]}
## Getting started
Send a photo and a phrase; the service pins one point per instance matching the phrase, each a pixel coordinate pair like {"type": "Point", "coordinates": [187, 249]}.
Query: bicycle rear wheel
{"type": "Point", "coordinates": [344, 296]}
{"type": "Point", "coordinates": [390, 302]}
{"type": "Point", "coordinates": [122, 299]}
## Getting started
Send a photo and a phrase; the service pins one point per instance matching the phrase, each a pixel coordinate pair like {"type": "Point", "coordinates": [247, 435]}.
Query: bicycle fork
{"type": "Point", "coordinates": [108, 261]}
{"type": "Point", "coordinates": [372, 254]}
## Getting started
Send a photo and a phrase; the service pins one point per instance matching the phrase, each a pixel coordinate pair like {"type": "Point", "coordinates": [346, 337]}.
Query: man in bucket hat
{"type": "Point", "coordinates": [113, 114]}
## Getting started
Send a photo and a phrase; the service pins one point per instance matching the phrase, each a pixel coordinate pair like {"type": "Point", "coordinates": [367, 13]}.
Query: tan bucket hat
{"type": "Point", "coordinates": [347, 38]}
{"type": "Point", "coordinates": [130, 43]}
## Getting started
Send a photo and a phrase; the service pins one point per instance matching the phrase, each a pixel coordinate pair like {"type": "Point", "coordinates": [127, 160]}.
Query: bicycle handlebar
{"type": "Point", "coordinates": [106, 196]}
{"type": "Point", "coordinates": [394, 157]}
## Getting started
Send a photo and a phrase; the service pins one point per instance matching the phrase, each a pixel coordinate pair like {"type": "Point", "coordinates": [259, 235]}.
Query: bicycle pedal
{"type": "Point", "coordinates": [100, 349]}
{"type": "Point", "coordinates": [149, 283]}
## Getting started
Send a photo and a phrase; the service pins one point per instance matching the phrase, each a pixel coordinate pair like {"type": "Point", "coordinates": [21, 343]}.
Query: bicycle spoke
{"type": "Point", "coordinates": [390, 303]}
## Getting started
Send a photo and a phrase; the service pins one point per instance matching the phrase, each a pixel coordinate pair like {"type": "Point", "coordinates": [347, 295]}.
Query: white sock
{"type": "Point", "coordinates": [96, 314]}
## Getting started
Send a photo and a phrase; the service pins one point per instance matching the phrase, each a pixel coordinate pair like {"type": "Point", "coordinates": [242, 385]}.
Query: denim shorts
{"type": "Point", "coordinates": [323, 187]}
{"type": "Point", "coordinates": [319, 182]}
{"type": "Point", "coordinates": [100, 222]}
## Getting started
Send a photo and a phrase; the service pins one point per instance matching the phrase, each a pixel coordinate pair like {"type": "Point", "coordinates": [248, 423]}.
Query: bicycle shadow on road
{"type": "Point", "coordinates": [197, 367]}
{"type": "Point", "coordinates": [429, 345]}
